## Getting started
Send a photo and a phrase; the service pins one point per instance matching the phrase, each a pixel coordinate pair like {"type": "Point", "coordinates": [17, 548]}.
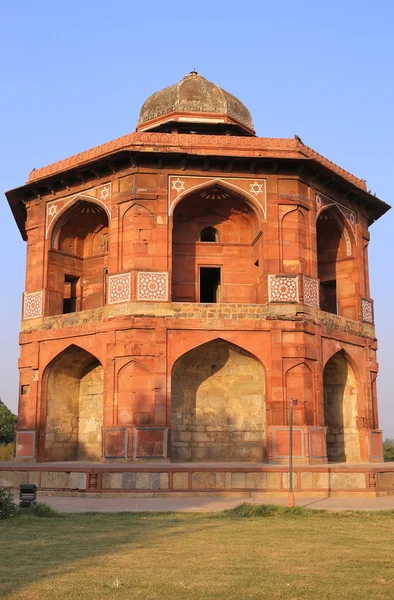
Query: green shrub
{"type": "Point", "coordinates": [7, 451]}
{"type": "Point", "coordinates": [40, 510]}
{"type": "Point", "coordinates": [8, 508]}
{"type": "Point", "coordinates": [388, 449]}
{"type": "Point", "coordinates": [252, 511]}
{"type": "Point", "coordinates": [7, 424]}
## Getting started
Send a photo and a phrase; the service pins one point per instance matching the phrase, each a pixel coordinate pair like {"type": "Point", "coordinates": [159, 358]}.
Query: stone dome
{"type": "Point", "coordinates": [198, 102]}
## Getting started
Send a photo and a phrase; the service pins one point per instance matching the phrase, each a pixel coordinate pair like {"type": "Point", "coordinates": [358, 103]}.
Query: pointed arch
{"type": "Point", "coordinates": [218, 404]}
{"type": "Point", "coordinates": [72, 406]}
{"type": "Point", "coordinates": [348, 357]}
{"type": "Point", "coordinates": [340, 409]}
{"type": "Point", "coordinates": [202, 274]}
{"type": "Point", "coordinates": [136, 233]}
{"type": "Point", "coordinates": [299, 384]}
{"type": "Point", "coordinates": [69, 209]}
{"type": "Point", "coordinates": [69, 205]}
{"type": "Point", "coordinates": [294, 241]}
{"type": "Point", "coordinates": [334, 249]}
{"type": "Point", "coordinates": [342, 223]}
{"type": "Point", "coordinates": [137, 207]}
{"type": "Point", "coordinates": [135, 394]}
{"type": "Point", "coordinates": [209, 234]}
{"type": "Point", "coordinates": [77, 259]}
{"type": "Point", "coordinates": [217, 182]}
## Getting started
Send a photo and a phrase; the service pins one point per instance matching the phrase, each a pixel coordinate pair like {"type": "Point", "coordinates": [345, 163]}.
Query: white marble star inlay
{"type": "Point", "coordinates": [104, 193]}
{"type": "Point", "coordinates": [178, 185]}
{"type": "Point", "coordinates": [256, 188]}
{"type": "Point", "coordinates": [52, 210]}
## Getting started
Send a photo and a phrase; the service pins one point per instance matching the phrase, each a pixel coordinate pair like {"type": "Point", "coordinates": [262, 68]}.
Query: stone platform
{"type": "Point", "coordinates": [161, 479]}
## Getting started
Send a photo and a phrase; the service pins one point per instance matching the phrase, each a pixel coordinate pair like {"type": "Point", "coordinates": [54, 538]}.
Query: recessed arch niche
{"type": "Point", "coordinates": [73, 406]}
{"type": "Point", "coordinates": [340, 409]}
{"type": "Point", "coordinates": [218, 405]}
{"type": "Point", "coordinates": [136, 236]}
{"type": "Point", "coordinates": [232, 250]}
{"type": "Point", "coordinates": [77, 261]}
{"type": "Point", "coordinates": [334, 263]}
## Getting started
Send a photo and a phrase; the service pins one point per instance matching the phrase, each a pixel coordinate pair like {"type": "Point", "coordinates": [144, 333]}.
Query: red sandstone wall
{"type": "Point", "coordinates": [137, 352]}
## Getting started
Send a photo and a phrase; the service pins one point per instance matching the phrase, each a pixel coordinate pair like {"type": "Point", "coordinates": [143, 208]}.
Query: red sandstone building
{"type": "Point", "coordinates": [183, 282]}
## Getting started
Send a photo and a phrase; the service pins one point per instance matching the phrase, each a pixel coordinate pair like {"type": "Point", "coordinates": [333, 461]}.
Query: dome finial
{"type": "Point", "coordinates": [195, 104]}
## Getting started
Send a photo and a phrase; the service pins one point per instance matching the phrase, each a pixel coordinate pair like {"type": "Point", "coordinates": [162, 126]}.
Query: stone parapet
{"type": "Point", "coordinates": [198, 479]}
{"type": "Point", "coordinates": [239, 316]}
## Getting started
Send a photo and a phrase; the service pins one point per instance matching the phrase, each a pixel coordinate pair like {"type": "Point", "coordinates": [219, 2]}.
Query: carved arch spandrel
{"type": "Point", "coordinates": [54, 213]}
{"type": "Point", "coordinates": [343, 224]}
{"type": "Point", "coordinates": [200, 184]}
{"type": "Point", "coordinates": [256, 343]}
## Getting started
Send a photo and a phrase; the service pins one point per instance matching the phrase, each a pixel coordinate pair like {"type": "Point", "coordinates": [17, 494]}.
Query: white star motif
{"type": "Point", "coordinates": [352, 218]}
{"type": "Point", "coordinates": [52, 210]}
{"type": "Point", "coordinates": [104, 193]}
{"type": "Point", "coordinates": [178, 185]}
{"type": "Point", "coordinates": [256, 188]}
{"type": "Point", "coordinates": [318, 200]}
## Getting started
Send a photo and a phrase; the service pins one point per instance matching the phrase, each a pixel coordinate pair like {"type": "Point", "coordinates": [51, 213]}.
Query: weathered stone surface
{"type": "Point", "coordinates": [238, 480]}
{"type": "Point", "coordinates": [207, 480]}
{"type": "Point", "coordinates": [218, 408]}
{"type": "Point", "coordinates": [54, 479]}
{"type": "Point", "coordinates": [143, 481]}
{"type": "Point", "coordinates": [385, 481]}
{"type": "Point", "coordinates": [286, 480]}
{"type": "Point", "coordinates": [180, 481]}
{"type": "Point", "coordinates": [34, 477]}
{"type": "Point", "coordinates": [164, 481]}
{"type": "Point", "coordinates": [348, 480]}
{"type": "Point", "coordinates": [112, 480]}
{"type": "Point", "coordinates": [256, 480]}
{"type": "Point", "coordinates": [100, 351]}
{"type": "Point", "coordinates": [13, 478]}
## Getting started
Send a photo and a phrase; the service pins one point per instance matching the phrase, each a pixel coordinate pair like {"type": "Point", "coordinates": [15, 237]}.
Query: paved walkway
{"type": "Point", "coordinates": [206, 504]}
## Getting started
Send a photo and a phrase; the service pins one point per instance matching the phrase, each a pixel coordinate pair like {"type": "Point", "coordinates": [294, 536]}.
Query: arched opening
{"type": "Point", "coordinates": [224, 271]}
{"type": "Point", "coordinates": [340, 410]}
{"type": "Point", "coordinates": [299, 384]}
{"type": "Point", "coordinates": [137, 235]}
{"type": "Point", "coordinates": [294, 242]}
{"type": "Point", "coordinates": [209, 234]}
{"type": "Point", "coordinates": [73, 397]}
{"type": "Point", "coordinates": [218, 405]}
{"type": "Point", "coordinates": [334, 256]}
{"type": "Point", "coordinates": [135, 395]}
{"type": "Point", "coordinates": [77, 262]}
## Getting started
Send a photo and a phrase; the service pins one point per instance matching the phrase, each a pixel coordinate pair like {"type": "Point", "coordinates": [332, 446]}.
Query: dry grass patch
{"type": "Point", "coordinates": [247, 553]}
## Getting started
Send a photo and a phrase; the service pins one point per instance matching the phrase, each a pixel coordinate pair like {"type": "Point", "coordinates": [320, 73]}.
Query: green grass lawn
{"type": "Point", "coordinates": [228, 556]}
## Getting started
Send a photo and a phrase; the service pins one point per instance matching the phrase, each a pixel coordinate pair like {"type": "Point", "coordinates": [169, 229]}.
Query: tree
{"type": "Point", "coordinates": [7, 424]}
{"type": "Point", "coordinates": [388, 449]}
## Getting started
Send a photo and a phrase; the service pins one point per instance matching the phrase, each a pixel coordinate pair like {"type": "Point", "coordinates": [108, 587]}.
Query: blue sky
{"type": "Point", "coordinates": [75, 74]}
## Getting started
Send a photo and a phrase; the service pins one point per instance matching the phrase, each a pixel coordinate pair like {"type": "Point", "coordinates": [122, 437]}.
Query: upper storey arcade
{"type": "Point", "coordinates": [193, 207]}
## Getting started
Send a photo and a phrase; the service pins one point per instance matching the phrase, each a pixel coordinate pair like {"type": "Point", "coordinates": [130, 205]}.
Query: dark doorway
{"type": "Point", "coordinates": [209, 234]}
{"type": "Point", "coordinates": [70, 294]}
{"type": "Point", "coordinates": [328, 296]}
{"type": "Point", "coordinates": [209, 284]}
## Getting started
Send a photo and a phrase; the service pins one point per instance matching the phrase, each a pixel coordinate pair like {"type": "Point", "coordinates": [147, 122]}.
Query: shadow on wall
{"type": "Point", "coordinates": [215, 268]}
{"type": "Point", "coordinates": [74, 406]}
{"type": "Point", "coordinates": [218, 405]}
{"type": "Point", "coordinates": [340, 410]}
